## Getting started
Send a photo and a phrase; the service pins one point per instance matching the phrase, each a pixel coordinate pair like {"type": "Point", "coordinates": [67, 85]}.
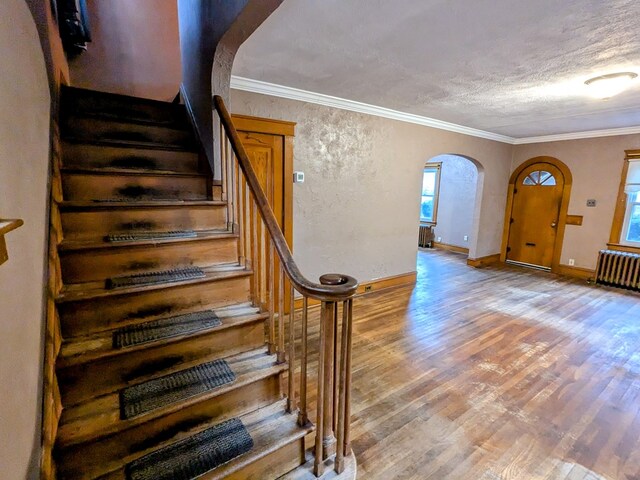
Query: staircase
{"type": "Point", "coordinates": [165, 371]}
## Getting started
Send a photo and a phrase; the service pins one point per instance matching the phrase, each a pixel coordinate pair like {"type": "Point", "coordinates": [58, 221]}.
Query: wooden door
{"type": "Point", "coordinates": [269, 145]}
{"type": "Point", "coordinates": [266, 155]}
{"type": "Point", "coordinates": [535, 213]}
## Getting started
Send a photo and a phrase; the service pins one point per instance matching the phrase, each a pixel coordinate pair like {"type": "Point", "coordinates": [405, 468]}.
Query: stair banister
{"type": "Point", "coordinates": [343, 289]}
{"type": "Point", "coordinates": [252, 216]}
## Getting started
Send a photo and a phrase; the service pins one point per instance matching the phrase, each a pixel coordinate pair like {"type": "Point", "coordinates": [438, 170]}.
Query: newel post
{"type": "Point", "coordinates": [334, 377]}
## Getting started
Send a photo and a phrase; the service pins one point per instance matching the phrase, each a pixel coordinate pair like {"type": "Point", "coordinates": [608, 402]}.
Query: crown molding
{"type": "Point", "coordinates": [258, 86]}
{"type": "Point", "coordinates": [266, 88]}
{"type": "Point", "coordinates": [610, 132]}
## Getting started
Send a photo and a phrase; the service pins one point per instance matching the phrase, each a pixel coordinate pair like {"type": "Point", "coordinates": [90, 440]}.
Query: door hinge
{"type": "Point", "coordinates": [515, 190]}
{"type": "Point", "coordinates": [511, 220]}
{"type": "Point", "coordinates": [508, 249]}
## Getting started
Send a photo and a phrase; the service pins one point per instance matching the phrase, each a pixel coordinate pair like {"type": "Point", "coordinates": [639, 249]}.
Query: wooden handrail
{"type": "Point", "coordinates": [333, 287]}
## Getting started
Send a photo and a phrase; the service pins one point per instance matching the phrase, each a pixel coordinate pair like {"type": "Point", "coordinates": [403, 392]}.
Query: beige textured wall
{"type": "Point", "coordinates": [596, 167]}
{"type": "Point", "coordinates": [358, 210]}
{"type": "Point", "coordinates": [24, 160]}
{"type": "Point", "coordinates": [135, 49]}
{"type": "Point", "coordinates": [457, 200]}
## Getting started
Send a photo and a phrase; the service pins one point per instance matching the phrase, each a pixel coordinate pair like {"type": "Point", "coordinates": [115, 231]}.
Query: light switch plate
{"type": "Point", "coordinates": [298, 177]}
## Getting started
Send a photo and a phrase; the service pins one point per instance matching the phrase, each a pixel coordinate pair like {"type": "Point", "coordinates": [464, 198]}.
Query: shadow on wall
{"type": "Point", "coordinates": [457, 207]}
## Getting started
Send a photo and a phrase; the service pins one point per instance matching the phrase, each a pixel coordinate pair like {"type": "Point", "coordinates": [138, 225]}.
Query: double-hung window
{"type": "Point", "coordinates": [630, 234]}
{"type": "Point", "coordinates": [430, 187]}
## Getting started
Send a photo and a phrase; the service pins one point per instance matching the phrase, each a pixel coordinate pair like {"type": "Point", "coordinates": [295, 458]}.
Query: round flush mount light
{"type": "Point", "coordinates": [607, 86]}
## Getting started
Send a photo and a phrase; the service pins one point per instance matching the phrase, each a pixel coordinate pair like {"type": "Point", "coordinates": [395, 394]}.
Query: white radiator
{"type": "Point", "coordinates": [618, 269]}
{"type": "Point", "coordinates": [425, 236]}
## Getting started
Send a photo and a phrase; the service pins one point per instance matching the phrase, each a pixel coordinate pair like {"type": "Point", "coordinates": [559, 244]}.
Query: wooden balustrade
{"type": "Point", "coordinates": [263, 248]}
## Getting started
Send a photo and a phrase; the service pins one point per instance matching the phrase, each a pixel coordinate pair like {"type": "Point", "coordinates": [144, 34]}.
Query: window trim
{"type": "Point", "coordinates": [616, 239]}
{"type": "Point", "coordinates": [437, 166]}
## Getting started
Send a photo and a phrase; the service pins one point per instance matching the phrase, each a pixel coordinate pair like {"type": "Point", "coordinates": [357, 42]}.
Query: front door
{"type": "Point", "coordinates": [535, 212]}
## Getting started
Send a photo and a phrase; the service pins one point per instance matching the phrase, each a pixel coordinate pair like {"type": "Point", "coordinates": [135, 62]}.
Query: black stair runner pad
{"type": "Point", "coordinates": [193, 456]}
{"type": "Point", "coordinates": [152, 278]}
{"type": "Point", "coordinates": [164, 328]}
{"type": "Point", "coordinates": [139, 236]}
{"type": "Point", "coordinates": [163, 391]}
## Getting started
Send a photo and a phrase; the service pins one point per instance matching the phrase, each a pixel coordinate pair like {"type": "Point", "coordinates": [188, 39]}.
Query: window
{"type": "Point", "coordinates": [430, 186]}
{"type": "Point", "coordinates": [631, 226]}
{"type": "Point", "coordinates": [625, 228]}
{"type": "Point", "coordinates": [540, 177]}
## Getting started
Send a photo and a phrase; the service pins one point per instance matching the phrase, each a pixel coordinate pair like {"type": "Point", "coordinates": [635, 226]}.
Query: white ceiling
{"type": "Point", "coordinates": [511, 67]}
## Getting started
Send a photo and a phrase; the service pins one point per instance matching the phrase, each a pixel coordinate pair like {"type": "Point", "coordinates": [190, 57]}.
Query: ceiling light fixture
{"type": "Point", "coordinates": [607, 86]}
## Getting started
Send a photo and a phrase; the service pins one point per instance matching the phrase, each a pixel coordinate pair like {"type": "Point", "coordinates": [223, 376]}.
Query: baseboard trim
{"type": "Point", "coordinates": [451, 248]}
{"type": "Point", "coordinates": [402, 280]}
{"type": "Point", "coordinates": [483, 261]}
{"type": "Point", "coordinates": [575, 272]}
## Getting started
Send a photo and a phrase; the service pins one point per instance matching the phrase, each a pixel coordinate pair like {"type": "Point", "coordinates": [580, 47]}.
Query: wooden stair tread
{"type": "Point", "coordinates": [90, 205]}
{"type": "Point", "coordinates": [132, 144]}
{"type": "Point", "coordinates": [270, 427]}
{"type": "Point", "coordinates": [201, 235]}
{"type": "Point", "coordinates": [91, 290]}
{"type": "Point", "coordinates": [248, 367]}
{"type": "Point", "coordinates": [97, 115]}
{"type": "Point", "coordinates": [125, 99]}
{"type": "Point", "coordinates": [100, 345]}
{"type": "Point", "coordinates": [131, 172]}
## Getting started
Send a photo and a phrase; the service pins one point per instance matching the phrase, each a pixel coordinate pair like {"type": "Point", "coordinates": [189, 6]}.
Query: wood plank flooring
{"type": "Point", "coordinates": [498, 373]}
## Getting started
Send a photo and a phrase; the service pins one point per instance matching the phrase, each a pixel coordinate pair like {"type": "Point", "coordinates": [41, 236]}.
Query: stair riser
{"type": "Point", "coordinates": [274, 465]}
{"type": "Point", "coordinates": [97, 223]}
{"type": "Point", "coordinates": [103, 263]}
{"type": "Point", "coordinates": [93, 156]}
{"type": "Point", "coordinates": [90, 316]}
{"type": "Point", "coordinates": [80, 102]}
{"type": "Point", "coordinates": [82, 382]}
{"type": "Point", "coordinates": [94, 458]}
{"type": "Point", "coordinates": [99, 130]}
{"type": "Point", "coordinates": [83, 187]}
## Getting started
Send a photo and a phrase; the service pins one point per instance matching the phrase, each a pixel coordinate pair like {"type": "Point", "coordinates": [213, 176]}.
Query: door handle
{"type": "Point", "coordinates": [553, 224]}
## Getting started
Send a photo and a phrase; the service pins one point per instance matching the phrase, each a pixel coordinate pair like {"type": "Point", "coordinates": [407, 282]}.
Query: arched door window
{"type": "Point", "coordinates": [540, 177]}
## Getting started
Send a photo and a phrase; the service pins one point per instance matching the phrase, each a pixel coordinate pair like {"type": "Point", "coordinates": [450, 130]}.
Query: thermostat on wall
{"type": "Point", "coordinates": [298, 177]}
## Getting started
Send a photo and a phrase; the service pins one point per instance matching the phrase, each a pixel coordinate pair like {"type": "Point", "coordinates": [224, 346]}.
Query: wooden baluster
{"type": "Point", "coordinates": [247, 219]}
{"type": "Point", "coordinates": [223, 161]}
{"type": "Point", "coordinates": [303, 418]}
{"type": "Point", "coordinates": [271, 296]}
{"type": "Point", "coordinates": [233, 163]}
{"type": "Point", "coordinates": [239, 207]}
{"type": "Point", "coordinates": [336, 369]}
{"type": "Point", "coordinates": [263, 259]}
{"type": "Point", "coordinates": [291, 402]}
{"type": "Point", "coordinates": [325, 314]}
{"type": "Point", "coordinates": [228, 180]}
{"type": "Point", "coordinates": [255, 260]}
{"type": "Point", "coordinates": [281, 351]}
{"type": "Point", "coordinates": [342, 383]}
{"type": "Point", "coordinates": [329, 438]}
{"type": "Point", "coordinates": [347, 386]}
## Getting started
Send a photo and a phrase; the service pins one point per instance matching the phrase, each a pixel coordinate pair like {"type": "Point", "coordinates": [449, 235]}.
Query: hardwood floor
{"type": "Point", "coordinates": [498, 373]}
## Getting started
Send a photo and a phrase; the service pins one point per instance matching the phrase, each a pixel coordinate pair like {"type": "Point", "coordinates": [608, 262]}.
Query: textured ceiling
{"type": "Point", "coordinates": [513, 67]}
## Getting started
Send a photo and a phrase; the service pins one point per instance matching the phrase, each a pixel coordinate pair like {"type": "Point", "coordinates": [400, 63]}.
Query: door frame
{"type": "Point", "coordinates": [564, 207]}
{"type": "Point", "coordinates": [268, 126]}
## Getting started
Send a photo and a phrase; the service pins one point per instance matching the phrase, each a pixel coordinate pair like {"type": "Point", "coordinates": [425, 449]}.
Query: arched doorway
{"type": "Point", "coordinates": [539, 191]}
{"type": "Point", "coordinates": [450, 206]}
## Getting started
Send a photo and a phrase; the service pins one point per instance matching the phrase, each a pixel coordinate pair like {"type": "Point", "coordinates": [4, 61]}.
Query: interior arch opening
{"type": "Point", "coordinates": [450, 204]}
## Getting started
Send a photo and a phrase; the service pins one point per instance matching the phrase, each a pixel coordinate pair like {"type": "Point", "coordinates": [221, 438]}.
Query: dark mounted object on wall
{"type": "Point", "coordinates": [73, 21]}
